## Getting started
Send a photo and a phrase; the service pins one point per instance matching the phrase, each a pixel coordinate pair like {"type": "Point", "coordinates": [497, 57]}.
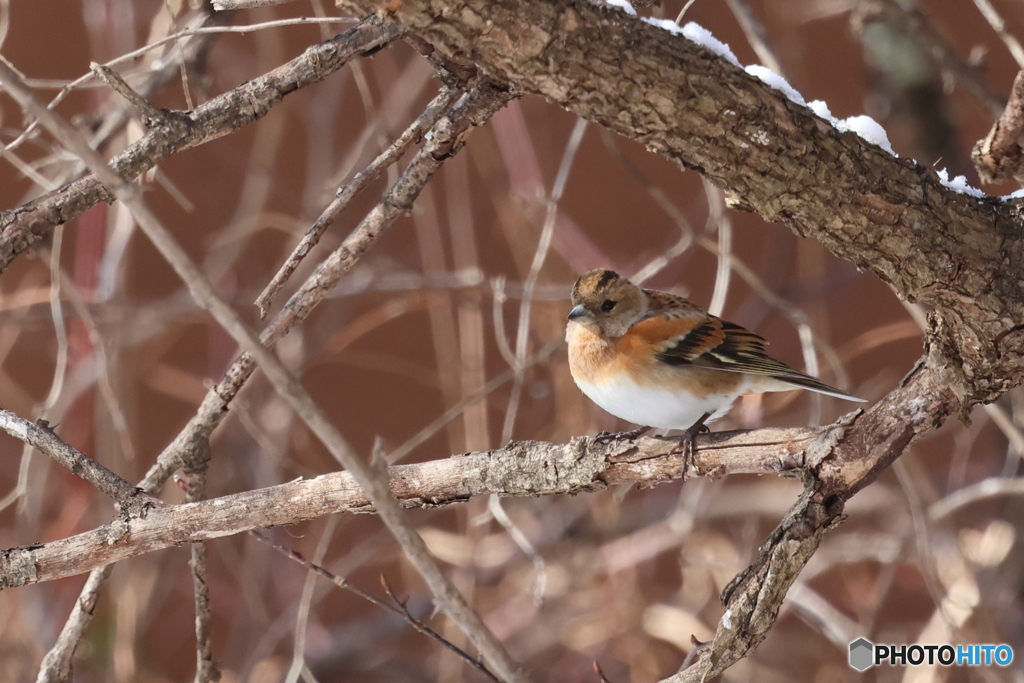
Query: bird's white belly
{"type": "Point", "coordinates": [661, 408]}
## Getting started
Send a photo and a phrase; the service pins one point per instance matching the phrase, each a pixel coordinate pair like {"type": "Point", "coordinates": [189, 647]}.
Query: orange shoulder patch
{"type": "Point", "coordinates": [662, 328]}
{"type": "Point", "coordinates": [662, 333]}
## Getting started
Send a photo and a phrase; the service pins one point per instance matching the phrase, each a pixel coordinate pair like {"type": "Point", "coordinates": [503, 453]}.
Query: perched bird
{"type": "Point", "coordinates": [658, 360]}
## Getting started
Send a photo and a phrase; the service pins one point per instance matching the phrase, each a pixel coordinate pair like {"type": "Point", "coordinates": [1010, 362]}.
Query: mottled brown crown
{"type": "Point", "coordinates": [594, 284]}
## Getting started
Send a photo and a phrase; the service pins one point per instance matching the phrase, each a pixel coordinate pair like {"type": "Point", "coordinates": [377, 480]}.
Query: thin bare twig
{"type": "Point", "coordinates": [206, 668]}
{"type": "Point", "coordinates": [540, 255]}
{"type": "Point", "coordinates": [99, 352]}
{"type": "Point", "coordinates": [498, 299]}
{"type": "Point", "coordinates": [302, 613]}
{"type": "Point", "coordinates": [60, 367]}
{"type": "Point", "coordinates": [129, 499]}
{"type": "Point", "coordinates": [926, 559]}
{"type": "Point", "coordinates": [471, 399]}
{"type": "Point", "coordinates": [658, 263]}
{"type": "Point", "coordinates": [24, 226]}
{"type": "Point", "coordinates": [993, 487]}
{"type": "Point", "coordinates": [395, 607]}
{"type": "Point", "coordinates": [345, 194]}
{"type": "Point", "coordinates": [182, 62]}
{"type": "Point", "coordinates": [121, 87]}
{"type": "Point", "coordinates": [995, 20]}
{"type": "Point", "coordinates": [56, 664]}
{"type": "Point", "coordinates": [756, 35]}
{"type": "Point", "coordinates": [723, 226]}
{"type": "Point", "coordinates": [470, 315]}
{"type": "Point", "coordinates": [522, 341]}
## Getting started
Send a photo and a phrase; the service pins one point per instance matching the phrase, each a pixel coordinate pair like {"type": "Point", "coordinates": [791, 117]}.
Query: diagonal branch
{"type": "Point", "coordinates": [844, 461]}
{"type": "Point", "coordinates": [22, 227]}
{"type": "Point", "coordinates": [40, 435]}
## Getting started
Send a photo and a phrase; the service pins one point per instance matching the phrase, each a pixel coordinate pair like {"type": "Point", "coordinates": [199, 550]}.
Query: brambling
{"type": "Point", "coordinates": [658, 360]}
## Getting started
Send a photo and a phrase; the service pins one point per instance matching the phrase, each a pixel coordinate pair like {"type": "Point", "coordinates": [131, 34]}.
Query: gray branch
{"type": "Point", "coordinates": [129, 499]}
{"type": "Point", "coordinates": [524, 468]}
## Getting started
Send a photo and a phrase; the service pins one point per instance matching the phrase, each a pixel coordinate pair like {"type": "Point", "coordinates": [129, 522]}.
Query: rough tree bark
{"type": "Point", "coordinates": [520, 468]}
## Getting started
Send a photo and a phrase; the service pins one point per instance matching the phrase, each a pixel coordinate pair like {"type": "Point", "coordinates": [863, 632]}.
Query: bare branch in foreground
{"type": "Point", "coordinates": [56, 664]}
{"type": "Point", "coordinates": [398, 608]}
{"type": "Point", "coordinates": [1000, 157]}
{"type": "Point", "coordinates": [130, 500]}
{"type": "Point", "coordinates": [522, 468]}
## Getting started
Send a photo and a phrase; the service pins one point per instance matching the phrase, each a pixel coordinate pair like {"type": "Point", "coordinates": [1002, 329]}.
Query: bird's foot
{"type": "Point", "coordinates": [607, 437]}
{"type": "Point", "coordinates": [689, 443]}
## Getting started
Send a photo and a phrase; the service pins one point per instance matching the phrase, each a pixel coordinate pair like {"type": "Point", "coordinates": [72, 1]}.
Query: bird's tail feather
{"type": "Point", "coordinates": [802, 381]}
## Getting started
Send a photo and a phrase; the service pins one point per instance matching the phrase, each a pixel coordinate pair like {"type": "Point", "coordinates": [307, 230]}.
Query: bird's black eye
{"type": "Point", "coordinates": [608, 305]}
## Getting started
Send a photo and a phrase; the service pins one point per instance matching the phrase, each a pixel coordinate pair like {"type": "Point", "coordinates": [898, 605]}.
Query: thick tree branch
{"type": "Point", "coordinates": [525, 468]}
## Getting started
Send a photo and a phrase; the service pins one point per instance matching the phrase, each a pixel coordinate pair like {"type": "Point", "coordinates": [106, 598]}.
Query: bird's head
{"type": "Point", "coordinates": [608, 301]}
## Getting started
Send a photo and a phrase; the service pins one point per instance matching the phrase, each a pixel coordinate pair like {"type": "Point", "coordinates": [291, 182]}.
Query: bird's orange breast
{"type": "Point", "coordinates": [594, 358]}
{"type": "Point", "coordinates": [591, 356]}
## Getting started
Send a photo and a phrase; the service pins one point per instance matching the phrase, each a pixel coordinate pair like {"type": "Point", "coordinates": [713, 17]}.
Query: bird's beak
{"type": "Point", "coordinates": [577, 312]}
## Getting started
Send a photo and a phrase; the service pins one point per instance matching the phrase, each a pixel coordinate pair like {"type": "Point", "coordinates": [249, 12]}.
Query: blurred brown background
{"type": "Point", "coordinates": [411, 332]}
